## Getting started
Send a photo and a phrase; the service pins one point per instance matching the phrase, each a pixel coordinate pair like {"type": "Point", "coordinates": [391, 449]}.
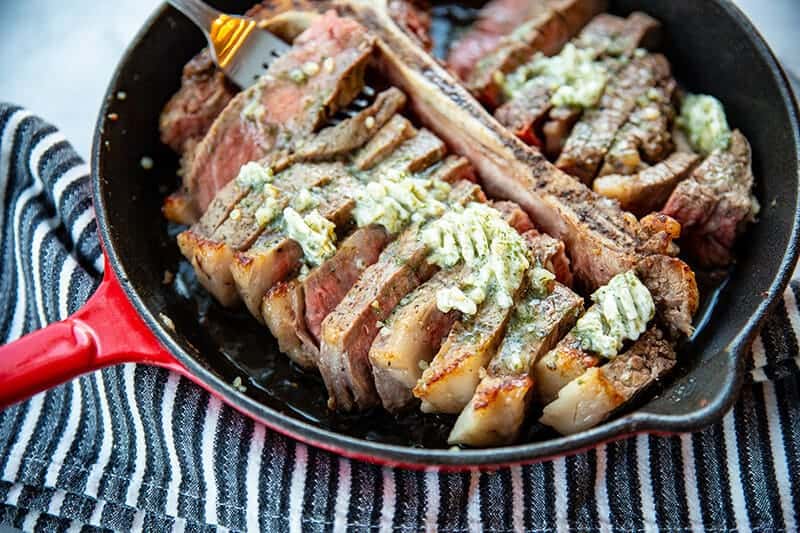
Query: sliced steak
{"type": "Point", "coordinates": [593, 396]}
{"type": "Point", "coordinates": [601, 239]}
{"type": "Point", "coordinates": [285, 105]}
{"type": "Point", "coordinates": [646, 136]}
{"type": "Point", "coordinates": [232, 215]}
{"type": "Point", "coordinates": [524, 113]}
{"type": "Point", "coordinates": [413, 332]}
{"type": "Point", "coordinates": [413, 155]}
{"type": "Point", "coordinates": [352, 133]}
{"type": "Point", "coordinates": [594, 133]}
{"type": "Point", "coordinates": [514, 215]}
{"type": "Point", "coordinates": [348, 331]}
{"type": "Point", "coordinates": [650, 189]}
{"type": "Point", "coordinates": [496, 19]}
{"type": "Point", "coordinates": [447, 385]}
{"type": "Point", "coordinates": [496, 411]}
{"type": "Point", "coordinates": [326, 285]}
{"type": "Point", "coordinates": [294, 310]}
{"type": "Point", "coordinates": [545, 32]}
{"type": "Point", "coordinates": [716, 203]}
{"type": "Point", "coordinates": [453, 169]}
{"type": "Point", "coordinates": [273, 256]}
{"type": "Point", "coordinates": [388, 138]}
{"type": "Point", "coordinates": [619, 36]}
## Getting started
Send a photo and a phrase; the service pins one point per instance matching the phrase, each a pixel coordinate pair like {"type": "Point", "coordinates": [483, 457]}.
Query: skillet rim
{"type": "Point", "coordinates": [390, 454]}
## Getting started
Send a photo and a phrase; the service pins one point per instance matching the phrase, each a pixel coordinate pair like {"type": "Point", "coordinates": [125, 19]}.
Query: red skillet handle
{"type": "Point", "coordinates": [107, 330]}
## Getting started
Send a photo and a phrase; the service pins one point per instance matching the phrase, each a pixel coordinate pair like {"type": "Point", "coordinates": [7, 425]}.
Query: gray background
{"type": "Point", "coordinates": [58, 55]}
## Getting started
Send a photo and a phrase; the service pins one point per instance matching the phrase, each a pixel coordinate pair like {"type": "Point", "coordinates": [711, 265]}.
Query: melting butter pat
{"type": "Point", "coordinates": [315, 234]}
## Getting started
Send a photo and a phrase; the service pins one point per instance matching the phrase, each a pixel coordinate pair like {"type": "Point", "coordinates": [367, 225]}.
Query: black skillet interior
{"type": "Point", "coordinates": [712, 50]}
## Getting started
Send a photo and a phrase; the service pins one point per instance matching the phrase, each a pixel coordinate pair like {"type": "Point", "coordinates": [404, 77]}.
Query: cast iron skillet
{"type": "Point", "coordinates": [134, 317]}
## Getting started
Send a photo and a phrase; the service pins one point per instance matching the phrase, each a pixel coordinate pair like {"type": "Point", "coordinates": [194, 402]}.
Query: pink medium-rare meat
{"type": "Point", "coordinates": [203, 95]}
{"type": "Point", "coordinates": [293, 310]}
{"type": "Point", "coordinates": [716, 203]}
{"type": "Point", "coordinates": [326, 285]}
{"type": "Point", "coordinates": [284, 106]}
{"type": "Point", "coordinates": [496, 19]}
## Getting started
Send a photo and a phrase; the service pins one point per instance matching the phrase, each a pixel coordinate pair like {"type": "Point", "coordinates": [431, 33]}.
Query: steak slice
{"type": "Point", "coordinates": [453, 169]}
{"type": "Point", "coordinates": [648, 190]}
{"type": "Point", "coordinates": [388, 138]}
{"type": "Point", "coordinates": [284, 105]}
{"type": "Point", "coordinates": [594, 133]}
{"type": "Point", "coordinates": [526, 111]}
{"type": "Point", "coordinates": [411, 335]}
{"type": "Point", "coordinates": [203, 95]}
{"type": "Point", "coordinates": [413, 332]}
{"type": "Point", "coordinates": [617, 36]}
{"type": "Point", "coordinates": [609, 37]}
{"type": "Point", "coordinates": [348, 331]}
{"type": "Point", "coordinates": [294, 310]}
{"type": "Point", "coordinates": [550, 254]}
{"type": "Point", "coordinates": [674, 288]}
{"type": "Point", "coordinates": [716, 203]}
{"type": "Point", "coordinates": [326, 285]}
{"type": "Point", "coordinates": [447, 385]}
{"type": "Point", "coordinates": [590, 398]}
{"type": "Point", "coordinates": [557, 128]}
{"type": "Point", "coordinates": [496, 19]}
{"type": "Point", "coordinates": [496, 411]}
{"type": "Point", "coordinates": [282, 309]}
{"type": "Point", "coordinates": [352, 133]}
{"type": "Point", "coordinates": [545, 32]}
{"type": "Point", "coordinates": [601, 239]}
{"type": "Point", "coordinates": [559, 366]}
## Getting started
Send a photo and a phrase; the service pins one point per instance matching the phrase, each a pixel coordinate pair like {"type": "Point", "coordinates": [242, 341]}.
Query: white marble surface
{"type": "Point", "coordinates": [57, 56]}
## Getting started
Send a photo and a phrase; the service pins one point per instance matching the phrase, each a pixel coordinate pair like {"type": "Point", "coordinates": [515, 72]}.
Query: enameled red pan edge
{"type": "Point", "coordinates": [115, 326]}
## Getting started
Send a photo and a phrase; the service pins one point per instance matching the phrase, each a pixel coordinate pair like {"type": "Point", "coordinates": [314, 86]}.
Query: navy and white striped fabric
{"type": "Point", "coordinates": [134, 447]}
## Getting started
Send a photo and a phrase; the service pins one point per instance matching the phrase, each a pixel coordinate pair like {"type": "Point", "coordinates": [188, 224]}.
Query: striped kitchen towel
{"type": "Point", "coordinates": [135, 447]}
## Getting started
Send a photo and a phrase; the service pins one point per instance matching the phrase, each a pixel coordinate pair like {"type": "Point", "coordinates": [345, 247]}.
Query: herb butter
{"type": "Point", "coordinates": [254, 175]}
{"type": "Point", "coordinates": [574, 76]}
{"type": "Point", "coordinates": [703, 119]}
{"type": "Point", "coordinates": [313, 232]}
{"type": "Point", "coordinates": [621, 312]}
{"type": "Point", "coordinates": [493, 252]}
{"type": "Point", "coordinates": [393, 202]}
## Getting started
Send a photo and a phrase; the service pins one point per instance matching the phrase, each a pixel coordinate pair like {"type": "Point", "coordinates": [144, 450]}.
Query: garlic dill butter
{"type": "Point", "coordinates": [395, 201]}
{"type": "Point", "coordinates": [622, 309]}
{"type": "Point", "coordinates": [703, 119]}
{"type": "Point", "coordinates": [314, 233]}
{"type": "Point", "coordinates": [494, 254]}
{"type": "Point", "coordinates": [574, 76]}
